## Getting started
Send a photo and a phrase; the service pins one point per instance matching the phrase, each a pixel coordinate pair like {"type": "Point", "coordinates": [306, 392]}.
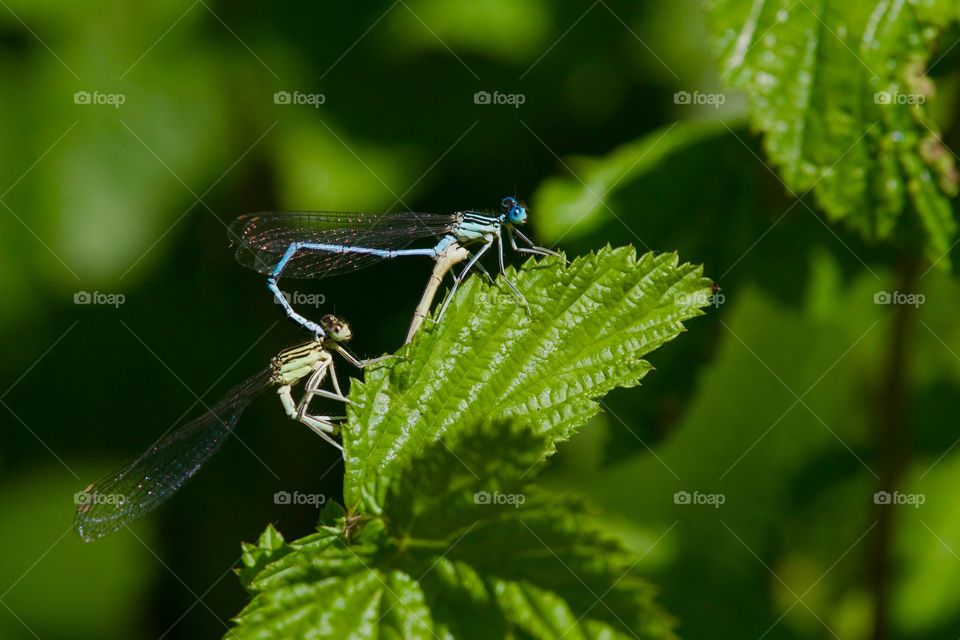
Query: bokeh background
{"type": "Point", "coordinates": [795, 399]}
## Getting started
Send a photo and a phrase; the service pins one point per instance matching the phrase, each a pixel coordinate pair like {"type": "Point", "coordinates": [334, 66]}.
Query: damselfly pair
{"type": "Point", "coordinates": [317, 244]}
{"type": "Point", "coordinates": [304, 245]}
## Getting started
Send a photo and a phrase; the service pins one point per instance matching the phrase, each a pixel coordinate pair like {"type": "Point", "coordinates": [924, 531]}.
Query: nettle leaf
{"type": "Point", "coordinates": [590, 324]}
{"type": "Point", "coordinates": [443, 535]}
{"type": "Point", "coordinates": [839, 89]}
{"type": "Point", "coordinates": [511, 554]}
{"type": "Point", "coordinates": [504, 564]}
{"type": "Point", "coordinates": [553, 572]}
{"type": "Point", "coordinates": [438, 495]}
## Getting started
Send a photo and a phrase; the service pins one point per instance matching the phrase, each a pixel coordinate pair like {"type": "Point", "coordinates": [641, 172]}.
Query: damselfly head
{"type": "Point", "coordinates": [514, 211]}
{"type": "Point", "coordinates": [336, 328]}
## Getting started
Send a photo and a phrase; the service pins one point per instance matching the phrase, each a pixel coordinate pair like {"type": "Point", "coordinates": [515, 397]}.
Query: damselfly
{"type": "Point", "coordinates": [141, 485]}
{"type": "Point", "coordinates": [316, 244]}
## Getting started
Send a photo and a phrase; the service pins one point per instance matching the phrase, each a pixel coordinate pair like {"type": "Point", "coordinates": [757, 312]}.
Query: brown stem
{"type": "Point", "coordinates": [893, 438]}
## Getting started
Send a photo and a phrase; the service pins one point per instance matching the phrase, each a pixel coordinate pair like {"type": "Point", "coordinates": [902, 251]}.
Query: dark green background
{"type": "Point", "coordinates": [133, 200]}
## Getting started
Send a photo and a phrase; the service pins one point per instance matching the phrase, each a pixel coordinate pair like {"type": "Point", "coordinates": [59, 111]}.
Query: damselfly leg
{"type": "Point", "coordinates": [323, 426]}
{"type": "Point", "coordinates": [532, 248]}
{"type": "Point", "coordinates": [453, 255]}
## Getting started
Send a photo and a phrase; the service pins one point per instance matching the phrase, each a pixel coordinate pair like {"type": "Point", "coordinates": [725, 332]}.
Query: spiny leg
{"type": "Point", "coordinates": [318, 424]}
{"type": "Point", "coordinates": [359, 364]}
{"type": "Point", "coordinates": [312, 389]}
{"type": "Point", "coordinates": [503, 272]}
{"type": "Point", "coordinates": [323, 426]}
{"type": "Point", "coordinates": [457, 279]}
{"type": "Point", "coordinates": [532, 249]}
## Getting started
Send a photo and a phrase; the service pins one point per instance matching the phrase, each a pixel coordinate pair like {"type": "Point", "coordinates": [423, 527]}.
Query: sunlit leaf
{"type": "Point", "coordinates": [840, 92]}
{"type": "Point", "coordinates": [589, 327]}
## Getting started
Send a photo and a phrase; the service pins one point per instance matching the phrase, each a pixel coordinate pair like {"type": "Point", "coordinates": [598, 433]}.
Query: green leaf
{"type": "Point", "coordinates": [459, 500]}
{"type": "Point", "coordinates": [591, 323]}
{"type": "Point", "coordinates": [438, 495]}
{"type": "Point", "coordinates": [548, 550]}
{"type": "Point", "coordinates": [255, 557]}
{"type": "Point", "coordinates": [839, 90]}
{"type": "Point", "coordinates": [443, 536]}
{"type": "Point", "coordinates": [580, 204]}
{"type": "Point", "coordinates": [533, 564]}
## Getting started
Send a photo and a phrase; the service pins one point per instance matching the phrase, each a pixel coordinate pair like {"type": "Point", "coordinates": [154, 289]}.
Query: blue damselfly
{"type": "Point", "coordinates": [317, 244]}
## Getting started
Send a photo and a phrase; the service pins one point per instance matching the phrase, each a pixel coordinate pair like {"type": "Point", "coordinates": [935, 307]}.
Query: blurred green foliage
{"type": "Point", "coordinates": [132, 199]}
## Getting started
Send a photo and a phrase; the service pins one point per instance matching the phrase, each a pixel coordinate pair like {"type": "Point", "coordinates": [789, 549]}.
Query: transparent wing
{"type": "Point", "coordinates": [140, 485]}
{"type": "Point", "coordinates": [263, 238]}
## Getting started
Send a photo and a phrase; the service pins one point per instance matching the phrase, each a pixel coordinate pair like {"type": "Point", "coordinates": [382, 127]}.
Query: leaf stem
{"type": "Point", "coordinates": [893, 438]}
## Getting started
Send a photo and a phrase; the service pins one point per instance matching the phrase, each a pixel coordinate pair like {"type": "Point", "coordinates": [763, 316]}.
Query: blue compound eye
{"type": "Point", "coordinates": [518, 214]}
{"type": "Point", "coordinates": [508, 203]}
